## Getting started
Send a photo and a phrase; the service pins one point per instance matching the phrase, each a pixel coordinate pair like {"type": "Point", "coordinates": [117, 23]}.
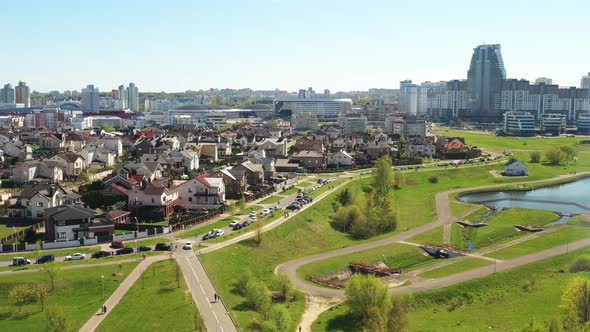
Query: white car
{"type": "Point", "coordinates": [252, 214]}
{"type": "Point", "coordinates": [75, 257]}
{"type": "Point", "coordinates": [265, 212]}
{"type": "Point", "coordinates": [219, 232]}
{"type": "Point", "coordinates": [187, 246]}
{"type": "Point", "coordinates": [233, 223]}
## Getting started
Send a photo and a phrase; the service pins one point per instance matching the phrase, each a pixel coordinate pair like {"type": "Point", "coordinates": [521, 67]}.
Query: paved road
{"type": "Point", "coordinates": [215, 314]}
{"type": "Point", "coordinates": [118, 294]}
{"type": "Point", "coordinates": [444, 217]}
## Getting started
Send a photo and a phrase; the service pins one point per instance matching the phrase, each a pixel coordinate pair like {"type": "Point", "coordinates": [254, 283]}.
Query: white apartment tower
{"type": "Point", "coordinates": [90, 98]}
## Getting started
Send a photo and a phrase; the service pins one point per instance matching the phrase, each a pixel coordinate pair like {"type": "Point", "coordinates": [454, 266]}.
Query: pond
{"type": "Point", "coordinates": [566, 199]}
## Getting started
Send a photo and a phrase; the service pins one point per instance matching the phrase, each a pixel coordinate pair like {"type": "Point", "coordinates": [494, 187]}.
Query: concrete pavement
{"type": "Point", "coordinates": [215, 314]}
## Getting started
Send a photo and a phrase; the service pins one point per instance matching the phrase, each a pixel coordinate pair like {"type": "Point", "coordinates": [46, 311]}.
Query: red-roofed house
{"type": "Point", "coordinates": [118, 216]}
{"type": "Point", "coordinates": [204, 189]}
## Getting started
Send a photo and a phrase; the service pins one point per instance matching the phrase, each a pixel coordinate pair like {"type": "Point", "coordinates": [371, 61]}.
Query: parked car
{"type": "Point", "coordinates": [233, 223]}
{"type": "Point", "coordinates": [187, 246]}
{"type": "Point", "coordinates": [308, 198]}
{"type": "Point", "coordinates": [20, 261]}
{"type": "Point", "coordinates": [163, 246]}
{"type": "Point", "coordinates": [265, 212]}
{"type": "Point", "coordinates": [219, 232]}
{"type": "Point", "coordinates": [252, 214]}
{"type": "Point", "coordinates": [293, 207]}
{"type": "Point", "coordinates": [246, 223]}
{"type": "Point", "coordinates": [45, 258]}
{"type": "Point", "coordinates": [236, 227]}
{"type": "Point", "coordinates": [124, 251]}
{"type": "Point", "coordinates": [208, 235]}
{"type": "Point", "coordinates": [117, 244]}
{"type": "Point", "coordinates": [75, 257]}
{"type": "Point", "coordinates": [100, 254]}
{"type": "Point", "coordinates": [144, 248]}
{"type": "Point", "coordinates": [299, 195]}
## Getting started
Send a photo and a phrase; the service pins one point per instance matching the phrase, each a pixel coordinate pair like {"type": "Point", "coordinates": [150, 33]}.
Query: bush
{"type": "Point", "coordinates": [581, 264]}
{"type": "Point", "coordinates": [555, 156]}
{"type": "Point", "coordinates": [257, 296]}
{"type": "Point", "coordinates": [535, 156]}
{"type": "Point", "coordinates": [433, 179]}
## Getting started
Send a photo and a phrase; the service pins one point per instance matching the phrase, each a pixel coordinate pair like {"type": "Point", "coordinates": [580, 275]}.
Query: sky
{"type": "Point", "coordinates": [286, 44]}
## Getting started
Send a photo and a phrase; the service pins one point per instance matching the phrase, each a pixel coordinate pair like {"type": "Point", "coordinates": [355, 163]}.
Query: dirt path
{"type": "Point", "coordinates": [314, 306]}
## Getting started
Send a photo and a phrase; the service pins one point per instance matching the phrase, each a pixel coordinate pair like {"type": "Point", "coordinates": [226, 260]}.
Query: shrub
{"type": "Point", "coordinates": [581, 264]}
{"type": "Point", "coordinates": [535, 156]}
{"type": "Point", "coordinates": [433, 179]}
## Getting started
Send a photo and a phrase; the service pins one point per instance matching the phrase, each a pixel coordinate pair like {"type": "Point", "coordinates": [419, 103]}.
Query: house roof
{"type": "Point", "coordinates": [69, 157]}
{"type": "Point", "coordinates": [116, 214]}
{"type": "Point", "coordinates": [307, 154]}
{"type": "Point", "coordinates": [120, 189]}
{"type": "Point", "coordinates": [513, 161]}
{"type": "Point", "coordinates": [68, 212]}
{"type": "Point", "coordinates": [47, 190]}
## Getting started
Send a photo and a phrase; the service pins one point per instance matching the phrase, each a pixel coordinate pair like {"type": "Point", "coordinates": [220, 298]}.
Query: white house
{"type": "Point", "coordinates": [28, 170]}
{"type": "Point", "coordinates": [203, 189]}
{"type": "Point", "coordinates": [190, 159]}
{"type": "Point", "coordinates": [515, 168]}
{"type": "Point", "coordinates": [35, 198]}
{"type": "Point", "coordinates": [340, 158]}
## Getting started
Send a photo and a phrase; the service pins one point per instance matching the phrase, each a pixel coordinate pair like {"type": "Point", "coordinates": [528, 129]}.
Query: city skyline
{"type": "Point", "coordinates": [287, 45]}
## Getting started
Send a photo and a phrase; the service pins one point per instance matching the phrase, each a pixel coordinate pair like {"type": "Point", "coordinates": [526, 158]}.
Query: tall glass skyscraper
{"type": "Point", "coordinates": [484, 79]}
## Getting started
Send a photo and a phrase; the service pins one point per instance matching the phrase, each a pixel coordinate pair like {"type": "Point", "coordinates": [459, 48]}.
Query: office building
{"type": "Point", "coordinates": [301, 94]}
{"type": "Point", "coordinates": [519, 124]}
{"type": "Point", "coordinates": [404, 127]}
{"type": "Point", "coordinates": [583, 123]}
{"type": "Point", "coordinates": [123, 96]}
{"type": "Point", "coordinates": [544, 80]}
{"type": "Point", "coordinates": [585, 83]}
{"type": "Point", "coordinates": [22, 94]}
{"type": "Point", "coordinates": [90, 98]}
{"type": "Point", "coordinates": [324, 109]}
{"type": "Point", "coordinates": [553, 124]}
{"type": "Point", "coordinates": [484, 80]}
{"type": "Point", "coordinates": [304, 121]}
{"type": "Point", "coordinates": [132, 96]}
{"type": "Point", "coordinates": [7, 94]}
{"type": "Point", "coordinates": [352, 123]}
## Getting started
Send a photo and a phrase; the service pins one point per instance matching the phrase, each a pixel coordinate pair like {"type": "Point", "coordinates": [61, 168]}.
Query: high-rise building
{"type": "Point", "coordinates": [544, 80]}
{"type": "Point", "coordinates": [326, 93]}
{"type": "Point", "coordinates": [301, 94]}
{"type": "Point", "coordinates": [7, 94]}
{"type": "Point", "coordinates": [132, 95]}
{"type": "Point", "coordinates": [90, 98]}
{"type": "Point", "coordinates": [585, 84]}
{"type": "Point", "coordinates": [413, 97]}
{"type": "Point", "coordinates": [484, 79]}
{"type": "Point", "coordinates": [22, 94]}
{"type": "Point", "coordinates": [122, 95]}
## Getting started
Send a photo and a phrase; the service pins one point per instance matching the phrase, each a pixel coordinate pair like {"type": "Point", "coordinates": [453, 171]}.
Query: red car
{"type": "Point", "coordinates": [117, 244]}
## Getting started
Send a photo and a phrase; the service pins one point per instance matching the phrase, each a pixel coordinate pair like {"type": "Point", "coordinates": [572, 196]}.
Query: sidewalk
{"type": "Point", "coordinates": [112, 301]}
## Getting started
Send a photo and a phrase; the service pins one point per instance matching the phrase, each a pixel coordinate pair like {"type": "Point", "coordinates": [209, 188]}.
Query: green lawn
{"type": "Point", "coordinates": [309, 232]}
{"type": "Point", "coordinates": [306, 184]}
{"type": "Point", "coordinates": [458, 208]}
{"type": "Point", "coordinates": [434, 236]}
{"type": "Point", "coordinates": [477, 213]}
{"type": "Point", "coordinates": [8, 230]}
{"type": "Point", "coordinates": [78, 292]}
{"type": "Point", "coordinates": [553, 239]}
{"type": "Point", "coordinates": [324, 188]}
{"type": "Point", "coordinates": [249, 209]}
{"type": "Point", "coordinates": [271, 217]}
{"type": "Point", "coordinates": [290, 191]}
{"type": "Point", "coordinates": [202, 229]}
{"type": "Point", "coordinates": [462, 265]}
{"type": "Point", "coordinates": [272, 199]}
{"type": "Point", "coordinates": [146, 242]}
{"type": "Point", "coordinates": [394, 255]}
{"type": "Point", "coordinates": [159, 305]}
{"type": "Point", "coordinates": [56, 252]}
{"type": "Point", "coordinates": [500, 227]}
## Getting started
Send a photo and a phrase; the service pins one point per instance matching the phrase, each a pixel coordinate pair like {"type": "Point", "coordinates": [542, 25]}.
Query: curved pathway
{"type": "Point", "coordinates": [445, 217]}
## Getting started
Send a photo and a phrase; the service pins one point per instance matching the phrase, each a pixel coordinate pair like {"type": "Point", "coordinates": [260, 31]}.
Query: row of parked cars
{"type": "Point", "coordinates": [298, 204]}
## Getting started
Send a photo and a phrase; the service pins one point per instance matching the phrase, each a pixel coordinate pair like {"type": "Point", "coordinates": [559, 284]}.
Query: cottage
{"type": "Point", "coordinates": [340, 158]}
{"type": "Point", "coordinates": [70, 222]}
{"type": "Point", "coordinates": [515, 168]}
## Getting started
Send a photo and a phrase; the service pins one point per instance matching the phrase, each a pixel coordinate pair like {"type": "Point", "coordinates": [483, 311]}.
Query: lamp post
{"type": "Point", "coordinates": [102, 286]}
{"type": "Point", "coordinates": [15, 239]}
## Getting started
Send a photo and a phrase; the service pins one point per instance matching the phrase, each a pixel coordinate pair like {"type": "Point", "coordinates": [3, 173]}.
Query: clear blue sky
{"type": "Point", "coordinates": [265, 44]}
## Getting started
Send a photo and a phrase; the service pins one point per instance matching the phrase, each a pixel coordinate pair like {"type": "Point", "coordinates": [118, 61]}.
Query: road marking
{"type": "Point", "coordinates": [204, 294]}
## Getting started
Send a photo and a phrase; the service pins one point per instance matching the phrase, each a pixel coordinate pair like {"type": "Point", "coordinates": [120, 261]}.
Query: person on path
{"type": "Point", "coordinates": [299, 328]}
{"type": "Point", "coordinates": [215, 297]}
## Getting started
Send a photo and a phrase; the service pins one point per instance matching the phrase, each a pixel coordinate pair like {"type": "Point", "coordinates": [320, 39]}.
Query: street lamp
{"type": "Point", "coordinates": [15, 239]}
{"type": "Point", "coordinates": [102, 286]}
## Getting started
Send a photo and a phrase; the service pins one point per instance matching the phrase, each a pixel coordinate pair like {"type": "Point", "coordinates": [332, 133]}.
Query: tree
{"type": "Point", "coordinates": [344, 197]}
{"type": "Point", "coordinates": [365, 292]}
{"type": "Point", "coordinates": [569, 152]}
{"type": "Point", "coordinates": [347, 217]}
{"type": "Point", "coordinates": [280, 317]}
{"type": "Point", "coordinates": [177, 273]}
{"type": "Point", "coordinates": [41, 293]}
{"type": "Point", "coordinates": [108, 128]}
{"type": "Point", "coordinates": [376, 321]}
{"type": "Point", "coordinates": [52, 272]}
{"type": "Point", "coordinates": [384, 177]}
{"type": "Point", "coordinates": [284, 284]}
{"type": "Point", "coordinates": [21, 295]}
{"type": "Point", "coordinates": [535, 156]}
{"type": "Point", "coordinates": [257, 296]}
{"type": "Point", "coordinates": [555, 156]}
{"type": "Point", "coordinates": [57, 320]}
{"type": "Point", "coordinates": [398, 315]}
{"type": "Point", "coordinates": [398, 179]}
{"type": "Point", "coordinates": [575, 303]}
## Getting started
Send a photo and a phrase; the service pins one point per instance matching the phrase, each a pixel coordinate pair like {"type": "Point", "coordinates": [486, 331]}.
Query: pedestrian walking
{"type": "Point", "coordinates": [215, 297]}
{"type": "Point", "coordinates": [299, 328]}
{"type": "Point", "coordinates": [104, 309]}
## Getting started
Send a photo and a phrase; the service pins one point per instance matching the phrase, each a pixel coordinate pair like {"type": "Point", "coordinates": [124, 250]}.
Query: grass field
{"type": "Point", "coordinates": [8, 230]}
{"type": "Point", "coordinates": [249, 209]}
{"type": "Point", "coordinates": [504, 301]}
{"type": "Point", "coordinates": [309, 232]}
{"type": "Point", "coordinates": [477, 213]}
{"type": "Point", "coordinates": [159, 305]}
{"type": "Point", "coordinates": [500, 227]}
{"type": "Point", "coordinates": [458, 208]}
{"type": "Point", "coordinates": [272, 199]}
{"type": "Point", "coordinates": [78, 292]}
{"type": "Point", "coordinates": [553, 239]}
{"type": "Point", "coordinates": [270, 218]}
{"type": "Point", "coordinates": [394, 255]}
{"type": "Point", "coordinates": [290, 191]}
{"type": "Point", "coordinates": [457, 267]}
{"type": "Point", "coordinates": [434, 236]}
